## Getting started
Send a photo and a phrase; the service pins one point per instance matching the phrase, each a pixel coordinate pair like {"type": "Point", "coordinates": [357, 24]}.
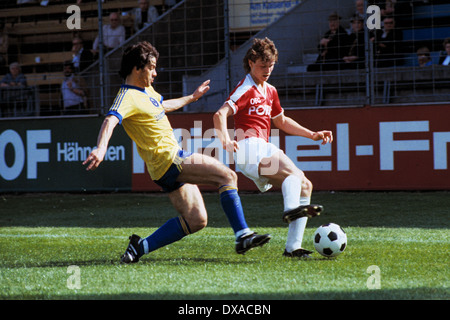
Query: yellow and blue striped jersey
{"type": "Point", "coordinates": [142, 115]}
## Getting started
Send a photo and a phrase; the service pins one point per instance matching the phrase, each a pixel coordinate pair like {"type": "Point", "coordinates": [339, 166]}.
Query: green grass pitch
{"type": "Point", "coordinates": [67, 246]}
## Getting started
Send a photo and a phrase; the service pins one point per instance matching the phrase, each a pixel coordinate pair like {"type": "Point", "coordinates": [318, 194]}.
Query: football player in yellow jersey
{"type": "Point", "coordinates": [141, 111]}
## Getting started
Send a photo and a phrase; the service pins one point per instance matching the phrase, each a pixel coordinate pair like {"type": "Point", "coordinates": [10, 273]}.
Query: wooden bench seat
{"type": "Point", "coordinates": [53, 26]}
{"type": "Point", "coordinates": [47, 78]}
{"type": "Point", "coordinates": [44, 58]}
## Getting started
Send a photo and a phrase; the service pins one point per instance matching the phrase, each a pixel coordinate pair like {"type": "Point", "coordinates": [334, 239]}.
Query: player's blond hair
{"type": "Point", "coordinates": [261, 48]}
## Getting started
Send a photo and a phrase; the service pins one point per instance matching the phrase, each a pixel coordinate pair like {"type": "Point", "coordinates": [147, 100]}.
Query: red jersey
{"type": "Point", "coordinates": [253, 109]}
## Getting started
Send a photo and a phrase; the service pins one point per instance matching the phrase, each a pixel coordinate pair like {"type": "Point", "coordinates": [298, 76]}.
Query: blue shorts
{"type": "Point", "coordinates": [168, 182]}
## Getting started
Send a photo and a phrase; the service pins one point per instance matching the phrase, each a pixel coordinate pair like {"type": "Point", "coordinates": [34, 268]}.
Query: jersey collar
{"type": "Point", "coordinates": [260, 90]}
{"type": "Point", "coordinates": [127, 86]}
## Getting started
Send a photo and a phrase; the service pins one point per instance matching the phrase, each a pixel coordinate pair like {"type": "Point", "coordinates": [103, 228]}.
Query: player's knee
{"type": "Point", "coordinates": [307, 186]}
{"type": "Point", "coordinates": [229, 177]}
{"type": "Point", "coordinates": [198, 225]}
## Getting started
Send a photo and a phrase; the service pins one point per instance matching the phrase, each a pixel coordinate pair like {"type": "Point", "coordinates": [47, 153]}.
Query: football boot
{"type": "Point", "coordinates": [252, 240]}
{"type": "Point", "coordinates": [132, 254]}
{"type": "Point", "coordinates": [299, 253]}
{"type": "Point", "coordinates": [310, 210]}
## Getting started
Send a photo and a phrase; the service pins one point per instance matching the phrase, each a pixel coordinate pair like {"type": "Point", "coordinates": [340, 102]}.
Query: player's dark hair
{"type": "Point", "coordinates": [261, 48]}
{"type": "Point", "coordinates": [137, 55]}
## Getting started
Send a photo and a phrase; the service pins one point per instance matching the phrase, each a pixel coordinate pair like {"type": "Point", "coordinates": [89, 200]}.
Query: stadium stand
{"type": "Point", "coordinates": [40, 40]}
{"type": "Point", "coordinates": [297, 33]}
{"type": "Point", "coordinates": [193, 45]}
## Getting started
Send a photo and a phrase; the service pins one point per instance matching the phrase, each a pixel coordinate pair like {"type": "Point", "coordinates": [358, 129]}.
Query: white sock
{"type": "Point", "coordinates": [297, 229]}
{"type": "Point", "coordinates": [291, 188]}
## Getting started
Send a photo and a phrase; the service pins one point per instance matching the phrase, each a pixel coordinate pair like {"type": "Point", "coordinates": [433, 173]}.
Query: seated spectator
{"type": "Point", "coordinates": [144, 14]}
{"type": "Point", "coordinates": [74, 92]}
{"type": "Point", "coordinates": [359, 11]}
{"type": "Point", "coordinates": [359, 8]}
{"type": "Point", "coordinates": [13, 97]}
{"type": "Point", "coordinates": [445, 56]}
{"type": "Point", "coordinates": [424, 57]}
{"type": "Point", "coordinates": [333, 46]}
{"type": "Point", "coordinates": [15, 78]}
{"type": "Point", "coordinates": [113, 34]}
{"type": "Point", "coordinates": [387, 7]}
{"type": "Point", "coordinates": [388, 44]}
{"type": "Point", "coordinates": [82, 58]}
{"type": "Point", "coordinates": [356, 55]}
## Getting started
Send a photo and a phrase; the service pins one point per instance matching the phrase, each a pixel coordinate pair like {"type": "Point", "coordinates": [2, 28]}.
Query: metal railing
{"type": "Point", "coordinates": [200, 39]}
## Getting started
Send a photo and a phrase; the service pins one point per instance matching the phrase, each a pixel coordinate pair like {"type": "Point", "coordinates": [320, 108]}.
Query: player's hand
{"type": "Point", "coordinates": [201, 90]}
{"type": "Point", "coordinates": [231, 146]}
{"type": "Point", "coordinates": [325, 135]}
{"type": "Point", "coordinates": [94, 159]}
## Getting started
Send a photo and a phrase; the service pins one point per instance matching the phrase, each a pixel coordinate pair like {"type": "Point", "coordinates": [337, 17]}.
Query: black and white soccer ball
{"type": "Point", "coordinates": [330, 240]}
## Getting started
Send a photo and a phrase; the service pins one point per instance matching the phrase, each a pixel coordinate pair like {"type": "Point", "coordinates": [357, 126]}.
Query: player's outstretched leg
{"type": "Point", "coordinates": [201, 169]}
{"type": "Point", "coordinates": [310, 211]}
{"type": "Point", "coordinates": [173, 230]}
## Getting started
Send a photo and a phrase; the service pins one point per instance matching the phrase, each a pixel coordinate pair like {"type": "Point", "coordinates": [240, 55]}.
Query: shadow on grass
{"type": "Point", "coordinates": [143, 262]}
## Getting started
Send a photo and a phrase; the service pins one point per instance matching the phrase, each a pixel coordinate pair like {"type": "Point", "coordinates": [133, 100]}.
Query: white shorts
{"type": "Point", "coordinates": [248, 158]}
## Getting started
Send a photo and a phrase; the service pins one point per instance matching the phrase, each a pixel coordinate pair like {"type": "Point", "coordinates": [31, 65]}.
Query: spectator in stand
{"type": "Point", "coordinates": [74, 92]}
{"type": "Point", "coordinates": [388, 44]}
{"type": "Point", "coordinates": [387, 8]}
{"type": "Point", "coordinates": [359, 11]}
{"type": "Point", "coordinates": [333, 46]}
{"type": "Point", "coordinates": [356, 55]}
{"type": "Point", "coordinates": [359, 8]}
{"type": "Point", "coordinates": [445, 56]}
{"type": "Point", "coordinates": [424, 57]}
{"type": "Point", "coordinates": [144, 14]}
{"type": "Point", "coordinates": [15, 78]}
{"type": "Point", "coordinates": [82, 58]}
{"type": "Point", "coordinates": [113, 34]}
{"type": "Point", "coordinates": [13, 97]}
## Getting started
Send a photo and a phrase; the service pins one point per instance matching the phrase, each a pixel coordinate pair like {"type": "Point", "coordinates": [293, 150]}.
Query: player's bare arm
{"type": "Point", "coordinates": [175, 104]}
{"type": "Point", "coordinates": [97, 155]}
{"type": "Point", "coordinates": [221, 127]}
{"type": "Point", "coordinates": [290, 126]}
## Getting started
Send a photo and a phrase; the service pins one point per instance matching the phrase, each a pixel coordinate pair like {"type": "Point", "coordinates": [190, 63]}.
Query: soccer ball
{"type": "Point", "coordinates": [330, 240]}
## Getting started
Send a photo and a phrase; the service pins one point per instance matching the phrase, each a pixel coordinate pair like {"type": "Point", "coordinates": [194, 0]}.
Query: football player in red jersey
{"type": "Point", "coordinates": [254, 103]}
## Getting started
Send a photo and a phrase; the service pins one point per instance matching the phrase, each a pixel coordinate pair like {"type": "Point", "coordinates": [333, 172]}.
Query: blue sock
{"type": "Point", "coordinates": [173, 230]}
{"type": "Point", "coordinates": [231, 204]}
